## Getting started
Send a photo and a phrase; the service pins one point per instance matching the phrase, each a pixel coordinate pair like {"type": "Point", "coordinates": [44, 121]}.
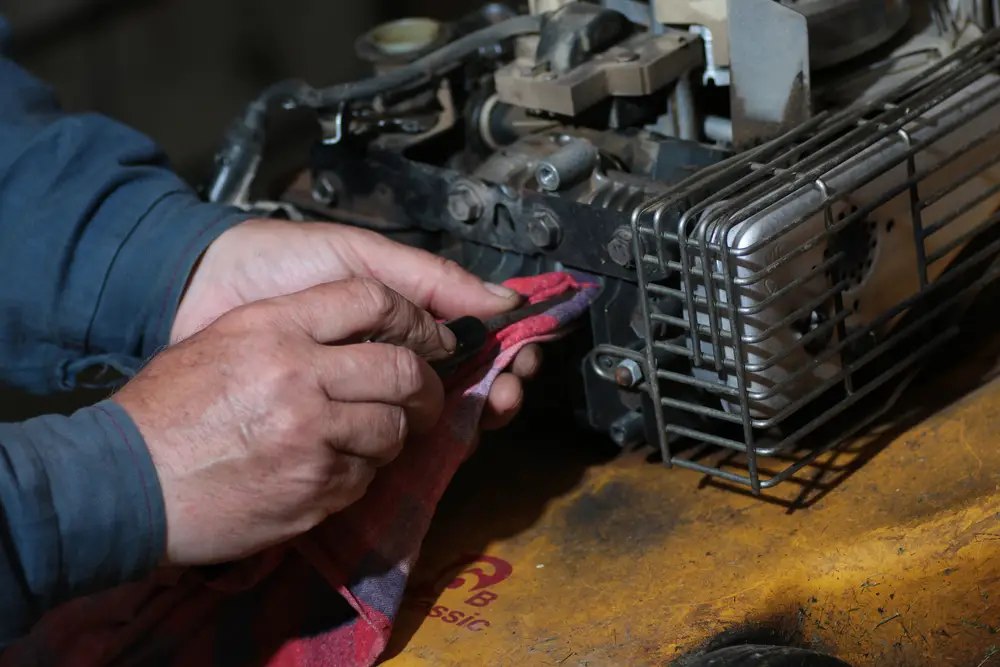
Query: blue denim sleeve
{"type": "Point", "coordinates": [82, 510]}
{"type": "Point", "coordinates": [97, 238]}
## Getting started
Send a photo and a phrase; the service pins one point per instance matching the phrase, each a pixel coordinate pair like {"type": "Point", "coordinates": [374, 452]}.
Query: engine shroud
{"type": "Point", "coordinates": [759, 300]}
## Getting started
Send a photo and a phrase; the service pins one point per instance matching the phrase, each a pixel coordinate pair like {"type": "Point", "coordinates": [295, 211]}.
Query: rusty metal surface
{"type": "Point", "coordinates": [560, 554]}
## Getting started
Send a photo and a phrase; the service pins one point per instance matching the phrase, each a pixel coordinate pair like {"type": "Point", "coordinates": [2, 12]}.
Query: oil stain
{"type": "Point", "coordinates": [618, 519]}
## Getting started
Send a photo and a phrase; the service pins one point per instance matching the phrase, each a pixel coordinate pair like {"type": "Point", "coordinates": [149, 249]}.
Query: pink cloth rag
{"type": "Point", "coordinates": [326, 599]}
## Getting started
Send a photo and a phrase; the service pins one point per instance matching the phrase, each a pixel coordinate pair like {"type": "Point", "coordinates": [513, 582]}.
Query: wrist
{"type": "Point", "coordinates": [208, 291]}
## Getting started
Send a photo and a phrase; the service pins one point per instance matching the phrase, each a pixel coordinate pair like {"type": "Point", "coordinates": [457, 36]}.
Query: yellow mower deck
{"type": "Point", "coordinates": [892, 560]}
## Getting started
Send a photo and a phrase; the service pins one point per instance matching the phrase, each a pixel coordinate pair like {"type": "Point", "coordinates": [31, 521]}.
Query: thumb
{"type": "Point", "coordinates": [431, 282]}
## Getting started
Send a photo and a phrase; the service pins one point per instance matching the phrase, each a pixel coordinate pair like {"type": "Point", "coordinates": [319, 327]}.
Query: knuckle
{"type": "Point", "coordinates": [408, 371]}
{"type": "Point", "coordinates": [289, 415]}
{"type": "Point", "coordinates": [254, 316]}
{"type": "Point", "coordinates": [448, 266]}
{"type": "Point", "coordinates": [379, 301]}
{"type": "Point", "coordinates": [287, 424]}
{"type": "Point", "coordinates": [277, 371]}
{"type": "Point", "coordinates": [234, 320]}
{"type": "Point", "coordinates": [298, 418]}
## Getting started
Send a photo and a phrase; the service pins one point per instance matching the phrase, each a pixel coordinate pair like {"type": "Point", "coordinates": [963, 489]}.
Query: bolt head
{"type": "Point", "coordinates": [544, 231]}
{"type": "Point", "coordinates": [324, 191]}
{"type": "Point", "coordinates": [547, 177]}
{"type": "Point", "coordinates": [620, 248]}
{"type": "Point", "coordinates": [464, 205]}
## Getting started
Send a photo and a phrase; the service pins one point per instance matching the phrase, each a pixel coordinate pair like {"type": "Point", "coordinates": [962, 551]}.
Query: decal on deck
{"type": "Point", "coordinates": [475, 574]}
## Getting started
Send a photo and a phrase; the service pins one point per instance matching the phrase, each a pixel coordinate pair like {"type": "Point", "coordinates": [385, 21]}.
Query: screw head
{"type": "Point", "coordinates": [620, 247]}
{"type": "Point", "coordinates": [324, 191]}
{"type": "Point", "coordinates": [544, 230]}
{"type": "Point", "coordinates": [463, 204]}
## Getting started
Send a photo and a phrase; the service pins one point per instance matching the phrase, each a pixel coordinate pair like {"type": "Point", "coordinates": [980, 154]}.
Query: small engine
{"type": "Point", "coordinates": [787, 202]}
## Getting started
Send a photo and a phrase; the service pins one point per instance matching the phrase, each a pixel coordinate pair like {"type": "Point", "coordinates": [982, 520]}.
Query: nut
{"type": "Point", "coordinates": [628, 373]}
{"type": "Point", "coordinates": [620, 247]}
{"type": "Point", "coordinates": [463, 204]}
{"type": "Point", "coordinates": [324, 191]}
{"type": "Point", "coordinates": [543, 230]}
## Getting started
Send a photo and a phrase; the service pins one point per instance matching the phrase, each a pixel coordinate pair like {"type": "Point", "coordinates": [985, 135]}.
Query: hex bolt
{"type": "Point", "coordinates": [544, 230]}
{"type": "Point", "coordinates": [324, 191]}
{"type": "Point", "coordinates": [620, 247]}
{"type": "Point", "coordinates": [628, 373]}
{"type": "Point", "coordinates": [463, 204]}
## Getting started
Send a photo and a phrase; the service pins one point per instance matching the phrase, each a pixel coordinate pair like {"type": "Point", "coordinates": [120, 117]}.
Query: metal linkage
{"type": "Point", "coordinates": [815, 272]}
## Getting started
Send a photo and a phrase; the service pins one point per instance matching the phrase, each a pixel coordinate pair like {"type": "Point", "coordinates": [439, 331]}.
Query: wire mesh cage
{"type": "Point", "coordinates": [790, 292]}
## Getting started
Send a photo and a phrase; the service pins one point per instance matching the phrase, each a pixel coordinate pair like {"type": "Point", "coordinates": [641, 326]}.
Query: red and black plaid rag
{"type": "Point", "coordinates": [326, 599]}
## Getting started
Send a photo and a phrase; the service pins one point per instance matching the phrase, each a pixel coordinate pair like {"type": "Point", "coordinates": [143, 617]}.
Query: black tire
{"type": "Point", "coordinates": [766, 656]}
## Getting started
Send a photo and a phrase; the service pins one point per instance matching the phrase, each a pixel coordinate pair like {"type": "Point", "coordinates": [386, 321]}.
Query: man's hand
{"type": "Point", "coordinates": [278, 414]}
{"type": "Point", "coordinates": [261, 259]}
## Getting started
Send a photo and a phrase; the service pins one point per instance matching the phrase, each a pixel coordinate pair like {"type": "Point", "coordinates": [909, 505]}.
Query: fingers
{"type": "Point", "coordinates": [504, 402]}
{"type": "Point", "coordinates": [362, 309]}
{"type": "Point", "coordinates": [429, 281]}
{"type": "Point", "coordinates": [382, 373]}
{"type": "Point", "coordinates": [528, 362]}
{"type": "Point", "coordinates": [371, 431]}
{"type": "Point", "coordinates": [507, 393]}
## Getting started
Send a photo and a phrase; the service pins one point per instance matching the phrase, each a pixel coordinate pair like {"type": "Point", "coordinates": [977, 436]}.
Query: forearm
{"type": "Point", "coordinates": [97, 239]}
{"type": "Point", "coordinates": [82, 511]}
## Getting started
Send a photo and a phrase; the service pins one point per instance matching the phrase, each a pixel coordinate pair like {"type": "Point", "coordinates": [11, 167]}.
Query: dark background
{"type": "Point", "coordinates": [180, 70]}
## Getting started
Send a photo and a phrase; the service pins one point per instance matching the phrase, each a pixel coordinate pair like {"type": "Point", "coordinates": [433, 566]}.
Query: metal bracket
{"type": "Point", "coordinates": [769, 53]}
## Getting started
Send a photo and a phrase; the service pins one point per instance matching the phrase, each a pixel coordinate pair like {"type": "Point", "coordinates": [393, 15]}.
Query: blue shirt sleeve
{"type": "Point", "coordinates": [82, 511]}
{"type": "Point", "coordinates": [97, 240]}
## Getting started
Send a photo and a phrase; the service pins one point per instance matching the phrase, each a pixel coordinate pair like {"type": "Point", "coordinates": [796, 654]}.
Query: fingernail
{"type": "Point", "coordinates": [448, 339]}
{"type": "Point", "coordinates": [501, 291]}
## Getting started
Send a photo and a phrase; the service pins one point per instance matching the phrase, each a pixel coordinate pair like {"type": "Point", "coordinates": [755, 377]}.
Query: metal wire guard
{"type": "Point", "coordinates": [757, 243]}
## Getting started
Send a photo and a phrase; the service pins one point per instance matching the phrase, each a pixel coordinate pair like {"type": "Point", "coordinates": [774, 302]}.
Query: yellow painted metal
{"type": "Point", "coordinates": [892, 561]}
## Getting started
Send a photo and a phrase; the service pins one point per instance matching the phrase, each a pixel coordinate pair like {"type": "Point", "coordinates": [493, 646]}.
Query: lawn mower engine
{"type": "Point", "coordinates": [787, 202]}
